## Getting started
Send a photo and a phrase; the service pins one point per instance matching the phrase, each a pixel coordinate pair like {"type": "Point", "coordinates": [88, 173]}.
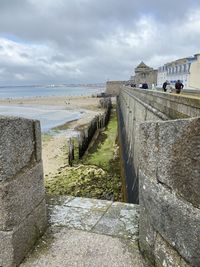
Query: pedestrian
{"type": "Point", "coordinates": [145, 86]}
{"type": "Point", "coordinates": [165, 86]}
{"type": "Point", "coordinates": [178, 86]}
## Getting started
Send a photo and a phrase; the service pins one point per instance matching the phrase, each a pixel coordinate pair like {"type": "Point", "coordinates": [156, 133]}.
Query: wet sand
{"type": "Point", "coordinates": [85, 102]}
{"type": "Point", "coordinates": [54, 147]}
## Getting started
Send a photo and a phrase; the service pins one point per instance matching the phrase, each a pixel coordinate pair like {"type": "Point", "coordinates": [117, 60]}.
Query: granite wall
{"type": "Point", "coordinates": [114, 87]}
{"type": "Point", "coordinates": [22, 196]}
{"type": "Point", "coordinates": [162, 132]}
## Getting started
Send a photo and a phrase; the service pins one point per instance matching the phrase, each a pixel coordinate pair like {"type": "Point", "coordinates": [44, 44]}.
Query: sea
{"type": "Point", "coordinates": [49, 116]}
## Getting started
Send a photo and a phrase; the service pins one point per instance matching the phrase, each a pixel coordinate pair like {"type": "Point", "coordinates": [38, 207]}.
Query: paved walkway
{"type": "Point", "coordinates": [88, 233]}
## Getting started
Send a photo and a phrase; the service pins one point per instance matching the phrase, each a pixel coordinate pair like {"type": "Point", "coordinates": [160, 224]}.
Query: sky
{"type": "Point", "coordinates": [88, 41]}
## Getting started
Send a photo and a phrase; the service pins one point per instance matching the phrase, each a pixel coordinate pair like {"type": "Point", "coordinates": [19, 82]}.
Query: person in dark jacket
{"type": "Point", "coordinates": [145, 86]}
{"type": "Point", "coordinates": [165, 86]}
{"type": "Point", "coordinates": [178, 86]}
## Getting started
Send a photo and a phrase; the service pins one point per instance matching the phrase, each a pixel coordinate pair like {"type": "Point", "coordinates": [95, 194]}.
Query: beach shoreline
{"type": "Point", "coordinates": [63, 101]}
{"type": "Point", "coordinates": [54, 142]}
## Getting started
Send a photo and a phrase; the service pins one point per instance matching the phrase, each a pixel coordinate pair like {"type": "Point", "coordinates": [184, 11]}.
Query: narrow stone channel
{"type": "Point", "coordinates": [97, 175]}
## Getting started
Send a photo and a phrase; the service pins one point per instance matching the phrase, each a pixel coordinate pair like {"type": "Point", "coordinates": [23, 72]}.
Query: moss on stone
{"type": "Point", "coordinates": [97, 175]}
{"type": "Point", "coordinates": [82, 181]}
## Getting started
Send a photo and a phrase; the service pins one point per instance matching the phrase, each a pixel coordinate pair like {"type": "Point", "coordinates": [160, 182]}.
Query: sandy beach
{"type": "Point", "coordinates": [86, 102]}
{"type": "Point", "coordinates": [54, 146]}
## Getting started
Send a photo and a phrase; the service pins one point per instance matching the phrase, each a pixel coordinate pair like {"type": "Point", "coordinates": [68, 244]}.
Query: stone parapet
{"type": "Point", "coordinates": [171, 105]}
{"type": "Point", "coordinates": [162, 146]}
{"type": "Point", "coordinates": [22, 195]}
{"type": "Point", "coordinates": [169, 184]}
{"type": "Point", "coordinates": [114, 87]}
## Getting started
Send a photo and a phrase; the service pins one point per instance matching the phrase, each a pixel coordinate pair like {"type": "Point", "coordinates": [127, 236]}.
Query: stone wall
{"type": "Point", "coordinates": [131, 113]}
{"type": "Point", "coordinates": [165, 156]}
{"type": "Point", "coordinates": [22, 195]}
{"type": "Point", "coordinates": [114, 87]}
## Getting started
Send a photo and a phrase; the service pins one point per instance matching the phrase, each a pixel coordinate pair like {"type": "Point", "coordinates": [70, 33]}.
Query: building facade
{"type": "Point", "coordinates": [144, 74]}
{"type": "Point", "coordinates": [187, 70]}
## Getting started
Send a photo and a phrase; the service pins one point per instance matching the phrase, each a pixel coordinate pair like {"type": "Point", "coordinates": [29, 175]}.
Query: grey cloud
{"type": "Point", "coordinates": [90, 35]}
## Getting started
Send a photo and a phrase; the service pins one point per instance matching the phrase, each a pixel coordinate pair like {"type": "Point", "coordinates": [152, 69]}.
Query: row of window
{"type": "Point", "coordinates": [176, 69]}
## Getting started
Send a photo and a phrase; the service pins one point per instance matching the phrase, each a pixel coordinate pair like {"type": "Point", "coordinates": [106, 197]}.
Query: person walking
{"type": "Point", "coordinates": [145, 86]}
{"type": "Point", "coordinates": [165, 86]}
{"type": "Point", "coordinates": [178, 86]}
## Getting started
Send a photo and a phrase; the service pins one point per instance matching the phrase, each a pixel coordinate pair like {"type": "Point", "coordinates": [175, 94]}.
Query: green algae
{"type": "Point", "coordinates": [104, 148]}
{"type": "Point", "coordinates": [97, 175]}
{"type": "Point", "coordinates": [46, 137]}
{"type": "Point", "coordinates": [82, 181]}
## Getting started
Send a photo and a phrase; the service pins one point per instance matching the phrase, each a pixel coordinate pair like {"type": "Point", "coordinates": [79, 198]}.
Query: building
{"type": "Point", "coordinates": [144, 73]}
{"type": "Point", "coordinates": [187, 70]}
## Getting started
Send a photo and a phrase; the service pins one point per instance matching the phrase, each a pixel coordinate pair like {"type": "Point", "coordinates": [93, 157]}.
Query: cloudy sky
{"type": "Point", "coordinates": [73, 41]}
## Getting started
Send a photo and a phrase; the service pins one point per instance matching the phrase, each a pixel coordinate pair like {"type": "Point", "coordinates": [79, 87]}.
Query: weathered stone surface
{"type": "Point", "coordinates": [147, 233]}
{"type": "Point", "coordinates": [17, 145]}
{"type": "Point", "coordinates": [151, 116]}
{"type": "Point", "coordinates": [88, 203]}
{"type": "Point", "coordinates": [165, 255]}
{"type": "Point", "coordinates": [170, 152]}
{"type": "Point", "coordinates": [58, 199]}
{"type": "Point", "coordinates": [179, 157]}
{"type": "Point", "coordinates": [38, 141]}
{"type": "Point", "coordinates": [183, 263]}
{"type": "Point", "coordinates": [19, 197]}
{"type": "Point", "coordinates": [148, 149]}
{"type": "Point", "coordinates": [146, 237]}
{"type": "Point", "coordinates": [72, 248]}
{"type": "Point", "coordinates": [120, 220]}
{"type": "Point", "coordinates": [168, 103]}
{"type": "Point", "coordinates": [6, 249]}
{"type": "Point", "coordinates": [139, 112]}
{"type": "Point", "coordinates": [177, 221]}
{"type": "Point", "coordinates": [71, 217]}
{"type": "Point", "coordinates": [20, 240]}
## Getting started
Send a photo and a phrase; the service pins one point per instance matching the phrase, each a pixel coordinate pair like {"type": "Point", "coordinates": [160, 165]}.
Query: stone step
{"type": "Point", "coordinates": [88, 232]}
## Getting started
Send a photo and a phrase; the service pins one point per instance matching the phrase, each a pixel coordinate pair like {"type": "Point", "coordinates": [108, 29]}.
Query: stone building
{"type": "Point", "coordinates": [187, 70]}
{"type": "Point", "coordinates": [144, 73]}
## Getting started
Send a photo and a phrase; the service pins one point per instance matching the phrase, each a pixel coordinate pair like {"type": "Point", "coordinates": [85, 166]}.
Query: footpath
{"type": "Point", "coordinates": [87, 232]}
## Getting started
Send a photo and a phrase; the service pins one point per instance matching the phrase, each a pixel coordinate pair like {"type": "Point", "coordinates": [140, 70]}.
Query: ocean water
{"type": "Point", "coordinates": [30, 91]}
{"type": "Point", "coordinates": [49, 116]}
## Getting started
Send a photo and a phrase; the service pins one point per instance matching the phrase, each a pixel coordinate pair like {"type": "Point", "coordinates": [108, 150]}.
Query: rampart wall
{"type": "Point", "coordinates": [22, 196]}
{"type": "Point", "coordinates": [160, 137]}
{"type": "Point", "coordinates": [114, 87]}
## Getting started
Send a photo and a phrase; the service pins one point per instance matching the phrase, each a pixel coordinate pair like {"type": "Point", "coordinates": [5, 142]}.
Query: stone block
{"type": "Point", "coordinates": [170, 153]}
{"type": "Point", "coordinates": [148, 149]}
{"type": "Point", "coordinates": [17, 145]}
{"type": "Point", "coordinates": [16, 244]}
{"type": "Point", "coordinates": [179, 157]}
{"type": "Point", "coordinates": [177, 221]}
{"type": "Point", "coordinates": [20, 196]}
